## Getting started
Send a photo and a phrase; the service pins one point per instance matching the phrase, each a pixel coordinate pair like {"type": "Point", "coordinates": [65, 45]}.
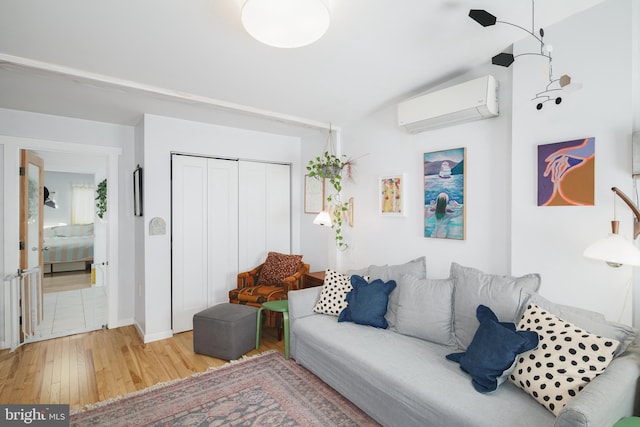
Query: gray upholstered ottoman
{"type": "Point", "coordinates": [226, 331]}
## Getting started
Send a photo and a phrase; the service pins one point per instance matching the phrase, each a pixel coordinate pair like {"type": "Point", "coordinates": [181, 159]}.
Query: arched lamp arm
{"type": "Point", "coordinates": [634, 209]}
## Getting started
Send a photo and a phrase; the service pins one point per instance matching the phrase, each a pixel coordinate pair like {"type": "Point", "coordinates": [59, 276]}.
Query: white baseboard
{"type": "Point", "coordinates": [147, 338]}
{"type": "Point", "coordinates": [121, 322]}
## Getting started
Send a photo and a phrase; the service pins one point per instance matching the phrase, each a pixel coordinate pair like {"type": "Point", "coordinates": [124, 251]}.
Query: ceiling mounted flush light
{"type": "Point", "coordinates": [285, 23]}
{"type": "Point", "coordinates": [504, 59]}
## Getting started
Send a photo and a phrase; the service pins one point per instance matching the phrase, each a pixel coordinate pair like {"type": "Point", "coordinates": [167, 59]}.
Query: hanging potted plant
{"type": "Point", "coordinates": [331, 167]}
{"type": "Point", "coordinates": [101, 203]}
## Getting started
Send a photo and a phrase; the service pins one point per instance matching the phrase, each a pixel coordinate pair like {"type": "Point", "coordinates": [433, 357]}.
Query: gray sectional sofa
{"type": "Point", "coordinates": [401, 376]}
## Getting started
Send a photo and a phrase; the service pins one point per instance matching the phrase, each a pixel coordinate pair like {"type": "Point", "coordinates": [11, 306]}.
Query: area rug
{"type": "Point", "coordinates": [264, 390]}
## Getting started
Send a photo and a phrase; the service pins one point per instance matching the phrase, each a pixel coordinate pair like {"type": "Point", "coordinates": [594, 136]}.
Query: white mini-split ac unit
{"type": "Point", "coordinates": [472, 100]}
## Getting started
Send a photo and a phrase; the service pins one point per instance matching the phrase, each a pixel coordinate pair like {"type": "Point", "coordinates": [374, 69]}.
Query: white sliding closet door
{"type": "Point", "coordinates": [205, 235]}
{"type": "Point", "coordinates": [265, 211]}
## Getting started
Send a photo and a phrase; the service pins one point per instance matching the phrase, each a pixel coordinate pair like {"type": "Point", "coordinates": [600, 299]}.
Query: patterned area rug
{"type": "Point", "coordinates": [265, 390]}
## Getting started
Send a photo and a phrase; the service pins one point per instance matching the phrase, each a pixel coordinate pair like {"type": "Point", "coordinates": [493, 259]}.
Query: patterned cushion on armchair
{"type": "Point", "coordinates": [277, 267]}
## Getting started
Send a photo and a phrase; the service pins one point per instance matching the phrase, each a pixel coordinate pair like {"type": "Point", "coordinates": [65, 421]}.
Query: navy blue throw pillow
{"type": "Point", "coordinates": [367, 302]}
{"type": "Point", "coordinates": [491, 354]}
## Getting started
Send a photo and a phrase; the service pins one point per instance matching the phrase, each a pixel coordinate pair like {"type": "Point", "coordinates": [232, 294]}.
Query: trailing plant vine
{"type": "Point", "coordinates": [329, 167]}
{"type": "Point", "coordinates": [101, 203]}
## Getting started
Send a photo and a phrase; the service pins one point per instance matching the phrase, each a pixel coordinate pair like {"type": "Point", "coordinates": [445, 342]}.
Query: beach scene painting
{"type": "Point", "coordinates": [444, 186]}
{"type": "Point", "coordinates": [566, 173]}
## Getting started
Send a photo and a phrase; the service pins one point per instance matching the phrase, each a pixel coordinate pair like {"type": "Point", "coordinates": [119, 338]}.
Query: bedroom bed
{"type": "Point", "coordinates": [66, 244]}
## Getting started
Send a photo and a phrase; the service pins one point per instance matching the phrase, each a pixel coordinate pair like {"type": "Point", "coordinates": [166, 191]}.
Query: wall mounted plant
{"type": "Point", "coordinates": [101, 203]}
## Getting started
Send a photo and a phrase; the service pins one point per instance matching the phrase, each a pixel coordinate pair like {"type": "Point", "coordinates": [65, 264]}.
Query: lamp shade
{"type": "Point", "coordinates": [615, 250]}
{"type": "Point", "coordinates": [323, 218]}
{"type": "Point", "coordinates": [285, 23]}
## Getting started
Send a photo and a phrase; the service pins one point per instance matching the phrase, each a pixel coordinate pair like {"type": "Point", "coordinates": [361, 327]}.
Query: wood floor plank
{"type": "Point", "coordinates": [47, 368]}
{"type": "Point", "coordinates": [66, 281]}
{"type": "Point", "coordinates": [56, 377]}
{"type": "Point", "coordinates": [87, 368]}
{"type": "Point", "coordinates": [76, 369]}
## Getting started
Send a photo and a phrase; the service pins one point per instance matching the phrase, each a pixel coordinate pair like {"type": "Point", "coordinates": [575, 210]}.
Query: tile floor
{"type": "Point", "coordinates": [70, 312]}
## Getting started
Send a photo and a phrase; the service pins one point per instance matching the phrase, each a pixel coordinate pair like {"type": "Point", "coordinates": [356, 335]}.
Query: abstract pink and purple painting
{"type": "Point", "coordinates": [566, 173]}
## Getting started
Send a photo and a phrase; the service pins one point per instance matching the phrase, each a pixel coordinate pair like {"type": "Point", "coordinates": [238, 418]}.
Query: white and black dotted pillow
{"type": "Point", "coordinates": [334, 290]}
{"type": "Point", "coordinates": [565, 362]}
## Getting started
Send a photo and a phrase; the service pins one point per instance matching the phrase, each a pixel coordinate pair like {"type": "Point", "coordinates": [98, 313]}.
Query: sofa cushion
{"type": "Point", "coordinates": [491, 356]}
{"type": "Point", "coordinates": [425, 309]}
{"type": "Point", "coordinates": [367, 302]}
{"type": "Point", "coordinates": [565, 362]}
{"type": "Point", "coordinates": [590, 321]}
{"type": "Point", "coordinates": [334, 290]}
{"type": "Point", "coordinates": [502, 293]}
{"type": "Point", "coordinates": [278, 266]}
{"type": "Point", "coordinates": [416, 267]}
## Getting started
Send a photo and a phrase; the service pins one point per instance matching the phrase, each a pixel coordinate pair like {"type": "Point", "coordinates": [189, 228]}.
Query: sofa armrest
{"type": "Point", "coordinates": [301, 302]}
{"type": "Point", "coordinates": [608, 398]}
{"type": "Point", "coordinates": [249, 278]}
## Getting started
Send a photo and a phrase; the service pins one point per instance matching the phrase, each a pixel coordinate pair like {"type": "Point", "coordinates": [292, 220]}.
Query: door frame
{"type": "Point", "coordinates": [12, 147]}
{"type": "Point", "coordinates": [28, 158]}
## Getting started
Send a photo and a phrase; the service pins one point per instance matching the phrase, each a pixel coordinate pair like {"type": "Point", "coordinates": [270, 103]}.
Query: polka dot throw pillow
{"type": "Point", "coordinates": [565, 362]}
{"type": "Point", "coordinates": [333, 295]}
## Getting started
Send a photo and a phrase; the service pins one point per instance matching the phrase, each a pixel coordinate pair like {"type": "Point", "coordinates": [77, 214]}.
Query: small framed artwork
{"type": "Point", "coordinates": [444, 194]}
{"type": "Point", "coordinates": [137, 191]}
{"type": "Point", "coordinates": [313, 194]}
{"type": "Point", "coordinates": [566, 173]}
{"type": "Point", "coordinates": [391, 195]}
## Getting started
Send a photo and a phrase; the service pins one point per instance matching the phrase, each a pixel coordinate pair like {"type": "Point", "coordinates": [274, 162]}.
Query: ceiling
{"type": "Point", "coordinates": [113, 60]}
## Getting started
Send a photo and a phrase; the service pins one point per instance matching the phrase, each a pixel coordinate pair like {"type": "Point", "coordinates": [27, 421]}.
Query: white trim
{"type": "Point", "coordinates": [122, 323]}
{"type": "Point", "coordinates": [57, 146]}
{"type": "Point", "coordinates": [87, 77]}
{"type": "Point", "coordinates": [157, 336]}
{"type": "Point", "coordinates": [12, 147]}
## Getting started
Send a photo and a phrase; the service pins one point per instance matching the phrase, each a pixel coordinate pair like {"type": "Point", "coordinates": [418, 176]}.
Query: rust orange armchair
{"type": "Point", "coordinates": [259, 285]}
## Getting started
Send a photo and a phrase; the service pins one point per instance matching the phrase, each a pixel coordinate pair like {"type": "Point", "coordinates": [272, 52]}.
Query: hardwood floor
{"type": "Point", "coordinates": [66, 281]}
{"type": "Point", "coordinates": [88, 368]}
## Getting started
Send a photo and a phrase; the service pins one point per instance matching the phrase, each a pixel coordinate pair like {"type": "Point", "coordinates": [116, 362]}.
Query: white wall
{"type": "Point", "coordinates": [595, 49]}
{"type": "Point", "coordinates": [387, 149]}
{"type": "Point", "coordinates": [164, 135]}
{"type": "Point", "coordinates": [60, 183]}
{"type": "Point", "coordinates": [139, 271]}
{"type": "Point", "coordinates": [506, 232]}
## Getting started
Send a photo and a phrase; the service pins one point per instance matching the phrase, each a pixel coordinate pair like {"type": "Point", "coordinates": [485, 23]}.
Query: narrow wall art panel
{"type": "Point", "coordinates": [566, 173]}
{"type": "Point", "coordinates": [444, 194]}
{"type": "Point", "coordinates": [391, 195]}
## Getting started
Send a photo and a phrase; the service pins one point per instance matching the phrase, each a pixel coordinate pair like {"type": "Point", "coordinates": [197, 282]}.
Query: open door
{"type": "Point", "coordinates": [31, 260]}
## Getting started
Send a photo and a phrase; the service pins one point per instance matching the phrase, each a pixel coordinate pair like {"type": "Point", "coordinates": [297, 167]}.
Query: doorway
{"type": "Point", "coordinates": [109, 160]}
{"type": "Point", "coordinates": [73, 281]}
